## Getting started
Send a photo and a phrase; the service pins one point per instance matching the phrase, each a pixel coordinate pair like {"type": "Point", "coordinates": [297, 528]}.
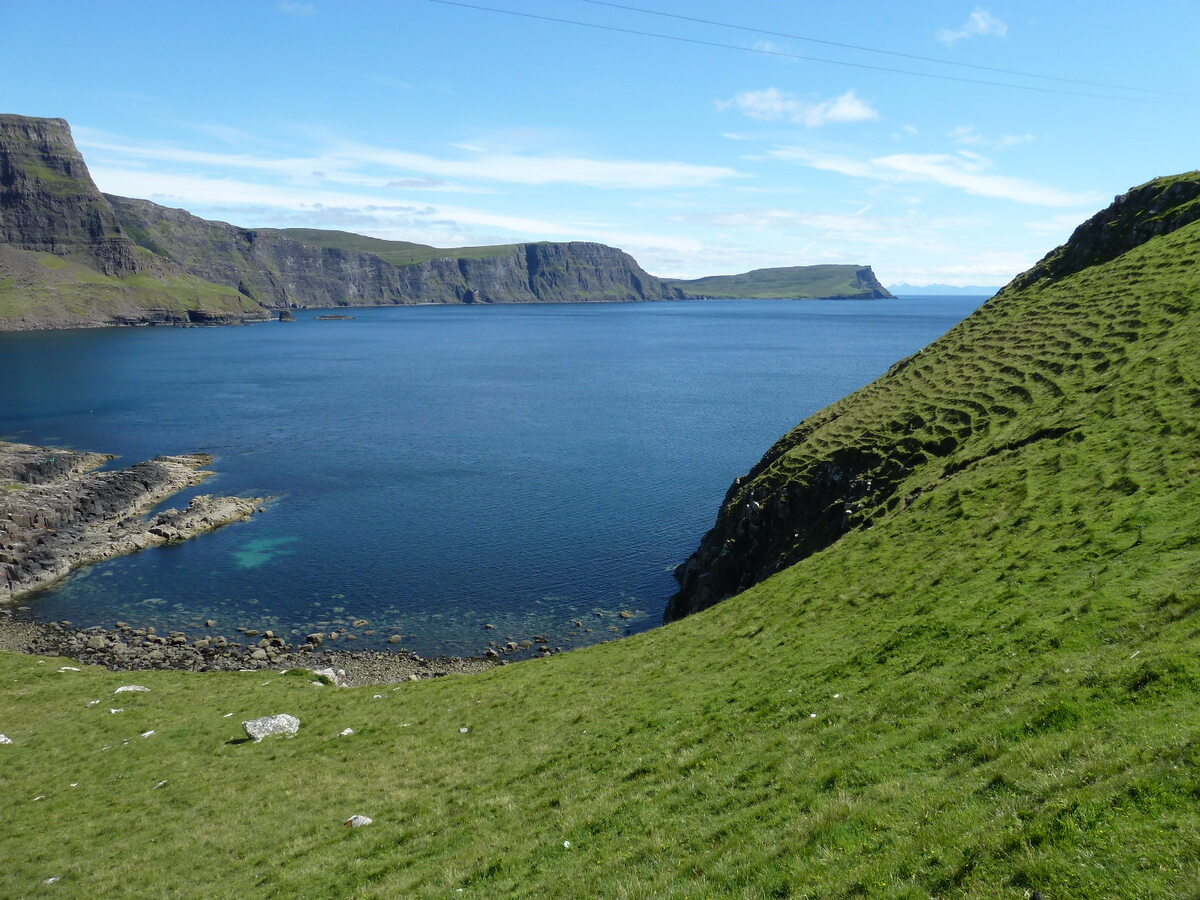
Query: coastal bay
{"type": "Point", "coordinates": [441, 469]}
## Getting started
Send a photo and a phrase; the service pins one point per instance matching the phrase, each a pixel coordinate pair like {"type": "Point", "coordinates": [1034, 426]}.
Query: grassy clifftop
{"type": "Point", "coordinates": [787, 283]}
{"type": "Point", "coordinates": [989, 691]}
{"type": "Point", "coordinates": [398, 253]}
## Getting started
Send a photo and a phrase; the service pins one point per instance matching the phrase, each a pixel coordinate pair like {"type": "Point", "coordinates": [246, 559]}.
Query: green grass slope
{"type": "Point", "coordinates": [990, 691]}
{"type": "Point", "coordinates": [398, 253]}
{"type": "Point", "coordinates": [787, 283]}
{"type": "Point", "coordinates": [43, 290]}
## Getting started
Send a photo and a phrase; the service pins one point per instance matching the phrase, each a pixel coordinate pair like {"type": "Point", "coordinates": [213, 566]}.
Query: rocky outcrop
{"type": "Point", "coordinates": [1155, 208]}
{"type": "Point", "coordinates": [58, 513]}
{"type": "Point", "coordinates": [277, 270]}
{"type": "Point", "coordinates": [48, 201]}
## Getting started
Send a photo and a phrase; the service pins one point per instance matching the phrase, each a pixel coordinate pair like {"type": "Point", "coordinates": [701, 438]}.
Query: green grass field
{"type": "Point", "coordinates": [989, 691]}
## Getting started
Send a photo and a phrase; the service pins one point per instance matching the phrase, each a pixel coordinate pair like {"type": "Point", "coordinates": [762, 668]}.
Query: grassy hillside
{"type": "Point", "coordinates": [398, 253]}
{"type": "Point", "coordinates": [990, 691]}
{"type": "Point", "coordinates": [39, 290]}
{"type": "Point", "coordinates": [788, 283]}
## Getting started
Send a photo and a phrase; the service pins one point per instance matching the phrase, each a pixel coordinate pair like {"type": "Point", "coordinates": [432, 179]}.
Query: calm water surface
{"type": "Point", "coordinates": [436, 469]}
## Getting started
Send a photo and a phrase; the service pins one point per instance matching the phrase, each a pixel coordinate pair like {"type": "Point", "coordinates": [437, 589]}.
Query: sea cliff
{"type": "Point", "coordinates": [276, 270]}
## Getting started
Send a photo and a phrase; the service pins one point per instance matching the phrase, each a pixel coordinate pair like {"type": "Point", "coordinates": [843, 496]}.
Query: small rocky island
{"type": "Point", "coordinates": [58, 511]}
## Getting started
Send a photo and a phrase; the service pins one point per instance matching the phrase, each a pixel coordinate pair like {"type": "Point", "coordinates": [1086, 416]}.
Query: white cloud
{"type": "Point", "coordinates": [996, 268]}
{"type": "Point", "coordinates": [980, 22]}
{"type": "Point", "coordinates": [294, 8]}
{"type": "Point", "coordinates": [193, 191]}
{"type": "Point", "coordinates": [968, 136]}
{"type": "Point", "coordinates": [773, 105]}
{"type": "Point", "coordinates": [543, 170]}
{"type": "Point", "coordinates": [369, 166]}
{"type": "Point", "coordinates": [963, 171]}
{"type": "Point", "coordinates": [439, 224]}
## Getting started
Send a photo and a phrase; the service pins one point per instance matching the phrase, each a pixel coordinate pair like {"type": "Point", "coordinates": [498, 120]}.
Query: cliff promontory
{"type": "Point", "coordinates": [829, 282]}
{"type": "Point", "coordinates": [1029, 367]}
{"type": "Point", "coordinates": [64, 258]}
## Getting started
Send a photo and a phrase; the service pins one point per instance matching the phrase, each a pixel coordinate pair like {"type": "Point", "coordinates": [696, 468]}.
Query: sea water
{"type": "Point", "coordinates": [434, 470]}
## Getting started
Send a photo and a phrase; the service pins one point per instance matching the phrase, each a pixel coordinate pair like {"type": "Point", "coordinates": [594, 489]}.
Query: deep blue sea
{"type": "Point", "coordinates": [436, 469]}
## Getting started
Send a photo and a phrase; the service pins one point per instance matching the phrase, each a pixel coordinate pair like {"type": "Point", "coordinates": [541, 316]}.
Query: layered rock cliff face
{"type": "Point", "coordinates": [278, 271]}
{"type": "Point", "coordinates": [1023, 369]}
{"type": "Point", "coordinates": [64, 259]}
{"type": "Point", "coordinates": [71, 256]}
{"type": "Point", "coordinates": [48, 202]}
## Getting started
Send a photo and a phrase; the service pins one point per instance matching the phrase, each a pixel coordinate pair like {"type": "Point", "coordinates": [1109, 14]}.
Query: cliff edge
{"type": "Point", "coordinates": [1025, 368]}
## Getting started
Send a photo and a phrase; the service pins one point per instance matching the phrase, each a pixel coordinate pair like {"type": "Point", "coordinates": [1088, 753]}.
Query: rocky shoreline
{"type": "Point", "coordinates": [126, 648]}
{"type": "Point", "coordinates": [58, 512]}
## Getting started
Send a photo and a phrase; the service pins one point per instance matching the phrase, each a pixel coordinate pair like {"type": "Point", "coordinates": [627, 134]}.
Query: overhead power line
{"type": "Point", "coordinates": [897, 53]}
{"type": "Point", "coordinates": [817, 59]}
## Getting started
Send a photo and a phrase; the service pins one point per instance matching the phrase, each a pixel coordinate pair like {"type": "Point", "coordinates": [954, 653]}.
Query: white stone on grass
{"type": "Point", "coordinates": [346, 732]}
{"type": "Point", "coordinates": [69, 669]}
{"type": "Point", "coordinates": [331, 674]}
{"type": "Point", "coordinates": [146, 734]}
{"type": "Point", "coordinates": [92, 703]}
{"type": "Point", "coordinates": [117, 710]}
{"type": "Point", "coordinates": [131, 688]}
{"type": "Point", "coordinates": [357, 821]}
{"type": "Point", "coordinates": [281, 723]}
{"type": "Point", "coordinates": [5, 739]}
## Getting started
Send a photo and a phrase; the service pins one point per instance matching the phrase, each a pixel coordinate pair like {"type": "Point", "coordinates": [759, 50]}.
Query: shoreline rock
{"type": "Point", "coordinates": [139, 649]}
{"type": "Point", "coordinates": [59, 512]}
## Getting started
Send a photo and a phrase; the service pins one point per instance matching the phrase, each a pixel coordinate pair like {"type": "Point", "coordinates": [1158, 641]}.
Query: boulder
{"type": "Point", "coordinates": [131, 688]}
{"type": "Point", "coordinates": [281, 723]}
{"type": "Point", "coordinates": [332, 674]}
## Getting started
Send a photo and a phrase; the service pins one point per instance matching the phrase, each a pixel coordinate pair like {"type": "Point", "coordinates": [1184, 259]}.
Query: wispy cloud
{"type": "Point", "coordinates": [968, 136]}
{"type": "Point", "coordinates": [987, 267]}
{"type": "Point", "coordinates": [479, 163]}
{"type": "Point", "coordinates": [963, 171]}
{"type": "Point", "coordinates": [774, 105]}
{"type": "Point", "coordinates": [295, 8]}
{"type": "Point", "coordinates": [980, 22]}
{"type": "Point", "coordinates": [370, 166]}
{"type": "Point", "coordinates": [195, 191]}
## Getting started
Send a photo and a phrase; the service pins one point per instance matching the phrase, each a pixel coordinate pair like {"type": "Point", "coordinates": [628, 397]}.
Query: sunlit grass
{"type": "Point", "coordinates": [990, 691]}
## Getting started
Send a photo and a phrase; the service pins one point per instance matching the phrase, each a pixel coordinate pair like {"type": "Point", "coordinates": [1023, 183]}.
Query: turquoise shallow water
{"type": "Point", "coordinates": [438, 469]}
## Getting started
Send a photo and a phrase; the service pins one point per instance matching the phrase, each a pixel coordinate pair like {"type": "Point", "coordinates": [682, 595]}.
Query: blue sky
{"type": "Point", "coordinates": [423, 121]}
